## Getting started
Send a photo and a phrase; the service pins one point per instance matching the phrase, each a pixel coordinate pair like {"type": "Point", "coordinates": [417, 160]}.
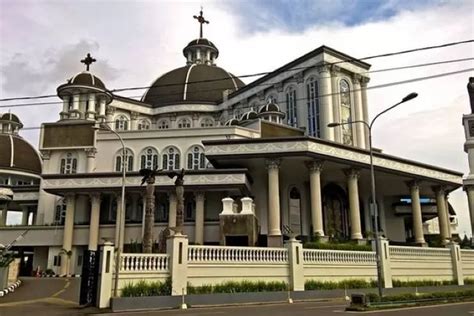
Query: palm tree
{"type": "Point", "coordinates": [68, 254]}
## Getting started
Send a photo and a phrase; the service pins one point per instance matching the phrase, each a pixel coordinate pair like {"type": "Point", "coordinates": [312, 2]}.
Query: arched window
{"type": "Point", "coordinates": [313, 107]}
{"type": "Point", "coordinates": [163, 124]}
{"type": "Point", "coordinates": [171, 159]}
{"type": "Point", "coordinates": [68, 164]}
{"type": "Point", "coordinates": [196, 158]}
{"type": "Point", "coordinates": [121, 123]}
{"type": "Point", "coordinates": [207, 122]}
{"type": "Point", "coordinates": [143, 124]}
{"type": "Point", "coordinates": [128, 160]}
{"type": "Point", "coordinates": [291, 107]}
{"type": "Point", "coordinates": [346, 113]}
{"type": "Point", "coordinates": [149, 159]}
{"type": "Point", "coordinates": [184, 123]}
{"type": "Point", "coordinates": [60, 214]}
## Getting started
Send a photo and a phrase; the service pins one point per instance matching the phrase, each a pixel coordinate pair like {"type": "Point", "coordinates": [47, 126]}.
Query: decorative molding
{"type": "Point", "coordinates": [323, 68]}
{"type": "Point", "coordinates": [335, 70]}
{"type": "Point", "coordinates": [261, 95]}
{"type": "Point", "coordinates": [134, 115]}
{"type": "Point", "coordinates": [25, 196]}
{"type": "Point", "coordinates": [364, 81]}
{"type": "Point", "coordinates": [278, 86]}
{"type": "Point", "coordinates": [299, 77]}
{"type": "Point", "coordinates": [356, 79]}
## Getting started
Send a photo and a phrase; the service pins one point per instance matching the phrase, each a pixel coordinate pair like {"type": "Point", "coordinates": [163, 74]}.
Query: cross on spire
{"type": "Point", "coordinates": [88, 61]}
{"type": "Point", "coordinates": [201, 21]}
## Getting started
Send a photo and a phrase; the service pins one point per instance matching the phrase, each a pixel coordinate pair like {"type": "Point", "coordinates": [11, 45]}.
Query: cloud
{"type": "Point", "coordinates": [22, 76]}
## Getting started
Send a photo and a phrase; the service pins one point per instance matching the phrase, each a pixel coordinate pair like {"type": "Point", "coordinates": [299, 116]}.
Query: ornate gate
{"type": "Point", "coordinates": [89, 278]}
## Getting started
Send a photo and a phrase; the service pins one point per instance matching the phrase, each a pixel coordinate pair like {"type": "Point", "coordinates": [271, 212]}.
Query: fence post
{"type": "Point", "coordinates": [384, 262]}
{"type": "Point", "coordinates": [456, 260]}
{"type": "Point", "coordinates": [296, 265]}
{"type": "Point", "coordinates": [177, 248]}
{"type": "Point", "coordinates": [106, 271]}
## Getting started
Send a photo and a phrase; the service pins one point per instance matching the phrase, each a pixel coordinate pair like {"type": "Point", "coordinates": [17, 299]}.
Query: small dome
{"type": "Point", "coordinates": [201, 42]}
{"type": "Point", "coordinates": [10, 117]}
{"type": "Point", "coordinates": [85, 78]}
{"type": "Point", "coordinates": [269, 107]}
{"type": "Point", "coordinates": [250, 115]}
{"type": "Point", "coordinates": [18, 154]}
{"type": "Point", "coordinates": [231, 122]}
{"type": "Point", "coordinates": [191, 84]}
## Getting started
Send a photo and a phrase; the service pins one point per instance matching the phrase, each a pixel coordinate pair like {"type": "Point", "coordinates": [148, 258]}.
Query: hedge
{"type": "Point", "coordinates": [238, 287]}
{"type": "Point", "coordinates": [372, 297]}
{"type": "Point", "coordinates": [337, 246]}
{"type": "Point", "coordinates": [143, 288]}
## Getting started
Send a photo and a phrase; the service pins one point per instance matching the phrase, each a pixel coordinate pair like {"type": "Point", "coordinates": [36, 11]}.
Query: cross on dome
{"type": "Point", "coordinates": [201, 21]}
{"type": "Point", "coordinates": [88, 61]}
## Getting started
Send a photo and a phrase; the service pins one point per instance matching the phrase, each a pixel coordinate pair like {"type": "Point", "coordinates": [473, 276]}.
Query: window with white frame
{"type": "Point", "coordinates": [184, 123]}
{"type": "Point", "coordinates": [207, 122]}
{"type": "Point", "coordinates": [313, 107]}
{"type": "Point", "coordinates": [68, 164]}
{"type": "Point", "coordinates": [149, 159]}
{"type": "Point", "coordinates": [196, 158]}
{"type": "Point", "coordinates": [60, 214]}
{"type": "Point", "coordinates": [291, 107]}
{"type": "Point", "coordinates": [121, 123]}
{"type": "Point", "coordinates": [346, 112]}
{"type": "Point", "coordinates": [128, 160]}
{"type": "Point", "coordinates": [163, 124]}
{"type": "Point", "coordinates": [171, 158]}
{"type": "Point", "coordinates": [143, 125]}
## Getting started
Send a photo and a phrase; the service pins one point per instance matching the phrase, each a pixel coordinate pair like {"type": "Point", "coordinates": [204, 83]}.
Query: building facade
{"type": "Point", "coordinates": [263, 150]}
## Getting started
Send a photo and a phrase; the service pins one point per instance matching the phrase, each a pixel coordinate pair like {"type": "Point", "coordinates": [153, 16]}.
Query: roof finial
{"type": "Point", "coordinates": [88, 61]}
{"type": "Point", "coordinates": [201, 21]}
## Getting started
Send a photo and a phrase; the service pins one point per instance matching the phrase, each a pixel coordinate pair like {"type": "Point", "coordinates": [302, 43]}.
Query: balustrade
{"type": "Point", "coordinates": [415, 253]}
{"type": "Point", "coordinates": [137, 262]}
{"type": "Point", "coordinates": [237, 254]}
{"type": "Point", "coordinates": [337, 256]}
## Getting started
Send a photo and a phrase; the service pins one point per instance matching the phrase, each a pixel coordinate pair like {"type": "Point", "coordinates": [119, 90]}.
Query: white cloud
{"type": "Point", "coordinates": [145, 39]}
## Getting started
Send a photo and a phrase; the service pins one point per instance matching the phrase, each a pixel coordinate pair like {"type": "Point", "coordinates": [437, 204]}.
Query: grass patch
{"type": "Point", "coordinates": [144, 288]}
{"type": "Point", "coordinates": [238, 287]}
{"type": "Point", "coordinates": [399, 283]}
{"type": "Point", "coordinates": [344, 284]}
{"type": "Point", "coordinates": [337, 246]}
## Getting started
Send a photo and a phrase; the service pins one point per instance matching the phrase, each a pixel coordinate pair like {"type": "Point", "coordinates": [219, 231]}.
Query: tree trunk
{"type": "Point", "coordinates": [149, 216]}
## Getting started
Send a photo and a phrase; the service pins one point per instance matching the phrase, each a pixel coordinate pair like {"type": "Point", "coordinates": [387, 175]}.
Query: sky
{"type": "Point", "coordinates": [134, 42]}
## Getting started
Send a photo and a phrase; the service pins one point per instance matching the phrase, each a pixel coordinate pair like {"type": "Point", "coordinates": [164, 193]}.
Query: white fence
{"type": "Point", "coordinates": [417, 263]}
{"type": "Point", "coordinates": [216, 264]}
{"type": "Point", "coordinates": [467, 260]}
{"type": "Point", "coordinates": [138, 266]}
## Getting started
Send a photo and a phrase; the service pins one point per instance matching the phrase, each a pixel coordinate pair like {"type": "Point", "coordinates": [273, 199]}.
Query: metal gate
{"type": "Point", "coordinates": [89, 278]}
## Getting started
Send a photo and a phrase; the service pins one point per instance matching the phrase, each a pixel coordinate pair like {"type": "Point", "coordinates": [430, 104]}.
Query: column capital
{"type": "Point", "coordinates": [91, 96]}
{"type": "Point", "coordinates": [352, 173]}
{"type": "Point", "coordinates": [110, 110]}
{"type": "Point", "coordinates": [69, 196]}
{"type": "Point", "coordinates": [278, 86]}
{"type": "Point", "coordinates": [299, 78]}
{"type": "Point", "coordinates": [45, 154]}
{"type": "Point", "coordinates": [364, 81]}
{"type": "Point", "coordinates": [335, 70]}
{"type": "Point", "coordinates": [172, 196]}
{"type": "Point", "coordinates": [314, 165]}
{"type": "Point", "coordinates": [323, 68]}
{"type": "Point", "coordinates": [413, 184]}
{"type": "Point", "coordinates": [356, 79]}
{"type": "Point", "coordinates": [90, 152]}
{"type": "Point", "coordinates": [134, 115]}
{"type": "Point", "coordinates": [272, 163]}
{"type": "Point", "coordinates": [199, 195]}
{"type": "Point", "coordinates": [468, 188]}
{"type": "Point", "coordinates": [95, 197]}
{"type": "Point", "coordinates": [439, 189]}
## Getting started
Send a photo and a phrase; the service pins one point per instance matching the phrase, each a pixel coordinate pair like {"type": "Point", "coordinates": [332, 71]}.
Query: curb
{"type": "Point", "coordinates": [10, 288]}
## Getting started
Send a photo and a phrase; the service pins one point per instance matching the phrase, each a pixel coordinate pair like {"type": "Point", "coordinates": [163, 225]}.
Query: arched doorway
{"type": "Point", "coordinates": [335, 212]}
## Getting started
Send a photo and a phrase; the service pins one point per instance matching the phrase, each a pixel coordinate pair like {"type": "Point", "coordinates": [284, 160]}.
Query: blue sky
{"type": "Point", "coordinates": [294, 16]}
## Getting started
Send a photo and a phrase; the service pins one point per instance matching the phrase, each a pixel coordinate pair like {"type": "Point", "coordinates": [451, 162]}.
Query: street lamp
{"type": "Point", "coordinates": [372, 181]}
{"type": "Point", "coordinates": [120, 216]}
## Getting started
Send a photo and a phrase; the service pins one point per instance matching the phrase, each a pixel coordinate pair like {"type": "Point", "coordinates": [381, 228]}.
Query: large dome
{"type": "Point", "coordinates": [195, 83]}
{"type": "Point", "coordinates": [17, 153]}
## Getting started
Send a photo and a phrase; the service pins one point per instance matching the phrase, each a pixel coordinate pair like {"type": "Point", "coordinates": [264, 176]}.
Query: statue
{"type": "Point", "coordinates": [180, 199]}
{"type": "Point", "coordinates": [470, 90]}
{"type": "Point", "coordinates": [149, 178]}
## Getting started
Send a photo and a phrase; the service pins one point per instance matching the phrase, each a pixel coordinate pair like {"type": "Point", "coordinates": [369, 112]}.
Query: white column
{"type": "Point", "coordinates": [199, 229]}
{"type": "Point", "coordinates": [134, 121]}
{"type": "Point", "coordinates": [24, 216]}
{"type": "Point", "coordinates": [110, 116]}
{"type": "Point", "coordinates": [354, 208]}
{"type": "Point", "coordinates": [443, 220]}
{"type": "Point", "coordinates": [90, 114]}
{"type": "Point", "coordinates": [65, 113]}
{"type": "Point", "coordinates": [106, 275]}
{"type": "Point", "coordinates": [358, 111]}
{"type": "Point", "coordinates": [296, 264]}
{"type": "Point", "coordinates": [336, 104]}
{"type": "Point", "coordinates": [301, 104]}
{"type": "Point", "coordinates": [416, 213]}
{"type": "Point", "coordinates": [325, 103]}
{"type": "Point", "coordinates": [365, 108]}
{"type": "Point", "coordinates": [90, 153]}
{"type": "Point", "coordinates": [173, 203]}
{"type": "Point", "coordinates": [68, 233]}
{"type": "Point", "coordinates": [315, 168]}
{"type": "Point", "coordinates": [94, 221]}
{"type": "Point", "coordinates": [274, 232]}
{"type": "Point", "coordinates": [102, 108]}
{"type": "Point", "coordinates": [75, 105]}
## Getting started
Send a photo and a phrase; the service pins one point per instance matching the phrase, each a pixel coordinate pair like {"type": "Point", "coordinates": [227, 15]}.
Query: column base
{"type": "Point", "coordinates": [421, 244]}
{"type": "Point", "coordinates": [275, 241]}
{"type": "Point", "coordinates": [361, 241]}
{"type": "Point", "coordinates": [322, 239]}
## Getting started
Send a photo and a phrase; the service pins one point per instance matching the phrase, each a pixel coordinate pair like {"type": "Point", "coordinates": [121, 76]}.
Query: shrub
{"type": "Point", "coordinates": [143, 288]}
{"type": "Point", "coordinates": [399, 283]}
{"type": "Point", "coordinates": [344, 284]}
{"type": "Point", "coordinates": [238, 287]}
{"type": "Point", "coordinates": [455, 295]}
{"type": "Point", "coordinates": [337, 246]}
{"type": "Point", "coordinates": [468, 281]}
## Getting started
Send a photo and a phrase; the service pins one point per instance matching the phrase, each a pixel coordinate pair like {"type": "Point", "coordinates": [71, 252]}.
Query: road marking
{"type": "Point", "coordinates": [62, 290]}
{"type": "Point", "coordinates": [325, 306]}
{"type": "Point", "coordinates": [408, 308]}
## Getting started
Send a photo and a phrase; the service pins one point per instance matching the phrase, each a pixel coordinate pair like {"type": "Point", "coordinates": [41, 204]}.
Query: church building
{"type": "Point", "coordinates": [261, 162]}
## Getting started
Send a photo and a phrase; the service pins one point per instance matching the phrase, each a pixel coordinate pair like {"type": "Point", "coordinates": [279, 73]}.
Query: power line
{"type": "Point", "coordinates": [263, 73]}
{"type": "Point", "coordinates": [262, 84]}
{"type": "Point", "coordinates": [385, 85]}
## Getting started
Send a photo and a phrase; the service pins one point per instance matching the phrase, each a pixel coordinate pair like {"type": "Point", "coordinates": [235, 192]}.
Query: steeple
{"type": "Point", "coordinates": [201, 50]}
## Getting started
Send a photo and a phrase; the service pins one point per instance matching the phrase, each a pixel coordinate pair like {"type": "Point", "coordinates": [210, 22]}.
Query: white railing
{"type": "Point", "coordinates": [418, 252]}
{"type": "Point", "coordinates": [467, 255]}
{"type": "Point", "coordinates": [237, 254]}
{"type": "Point", "coordinates": [337, 256]}
{"type": "Point", "coordinates": [139, 262]}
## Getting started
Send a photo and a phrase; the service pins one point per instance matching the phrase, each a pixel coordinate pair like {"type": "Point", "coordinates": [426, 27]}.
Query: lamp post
{"type": "Point", "coordinates": [120, 216]}
{"type": "Point", "coordinates": [374, 209]}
